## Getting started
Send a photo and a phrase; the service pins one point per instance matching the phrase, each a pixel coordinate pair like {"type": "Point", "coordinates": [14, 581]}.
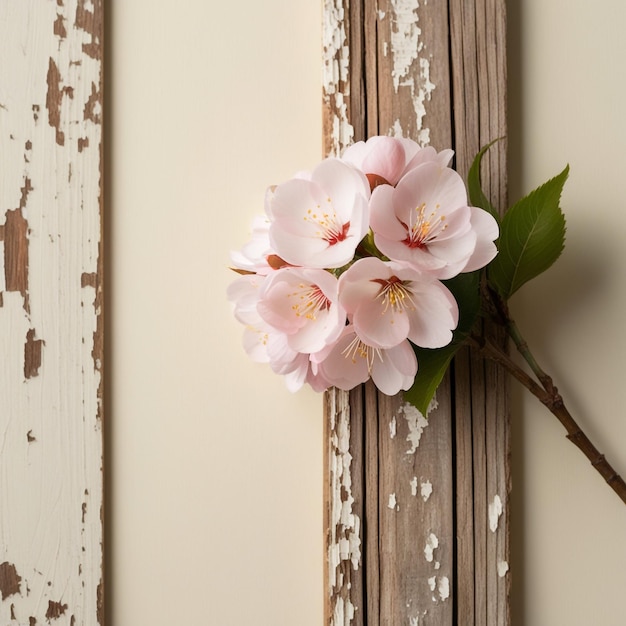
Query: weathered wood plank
{"type": "Point", "coordinates": [465, 558]}
{"type": "Point", "coordinates": [416, 534]}
{"type": "Point", "coordinates": [51, 313]}
{"type": "Point", "coordinates": [343, 459]}
{"type": "Point", "coordinates": [416, 513]}
{"type": "Point", "coordinates": [372, 510]}
{"type": "Point", "coordinates": [412, 71]}
{"type": "Point", "coordinates": [478, 64]}
{"type": "Point", "coordinates": [435, 527]}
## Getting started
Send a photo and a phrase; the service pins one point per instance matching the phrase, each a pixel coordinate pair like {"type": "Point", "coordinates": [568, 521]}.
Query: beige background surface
{"type": "Point", "coordinates": [215, 495]}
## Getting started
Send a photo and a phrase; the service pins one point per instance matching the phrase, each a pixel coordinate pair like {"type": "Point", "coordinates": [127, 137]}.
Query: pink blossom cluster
{"type": "Point", "coordinates": [344, 271]}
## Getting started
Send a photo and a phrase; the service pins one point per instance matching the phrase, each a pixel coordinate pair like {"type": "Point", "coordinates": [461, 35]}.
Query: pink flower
{"type": "Point", "coordinates": [384, 160]}
{"type": "Point", "coordinates": [243, 293]}
{"type": "Point", "coordinates": [319, 222]}
{"type": "Point", "coordinates": [303, 304]}
{"type": "Point", "coordinates": [487, 231]}
{"type": "Point", "coordinates": [425, 221]}
{"type": "Point", "coordinates": [351, 361]}
{"type": "Point", "coordinates": [253, 257]}
{"type": "Point", "coordinates": [265, 344]}
{"type": "Point", "coordinates": [389, 302]}
{"type": "Point", "coordinates": [302, 370]}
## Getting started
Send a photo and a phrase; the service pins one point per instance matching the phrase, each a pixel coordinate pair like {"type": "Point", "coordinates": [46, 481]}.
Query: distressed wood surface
{"type": "Point", "coordinates": [428, 494]}
{"type": "Point", "coordinates": [51, 492]}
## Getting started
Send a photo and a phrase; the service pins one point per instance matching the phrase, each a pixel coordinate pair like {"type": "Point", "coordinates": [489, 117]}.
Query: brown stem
{"type": "Point", "coordinates": [552, 399]}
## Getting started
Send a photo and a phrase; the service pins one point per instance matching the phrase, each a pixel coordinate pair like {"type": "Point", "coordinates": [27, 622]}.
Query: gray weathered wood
{"type": "Point", "coordinates": [433, 542]}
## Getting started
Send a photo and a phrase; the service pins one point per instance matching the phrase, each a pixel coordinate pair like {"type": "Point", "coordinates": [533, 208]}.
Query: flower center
{"type": "Point", "coordinates": [310, 300]}
{"type": "Point", "coordinates": [423, 228]}
{"type": "Point", "coordinates": [331, 228]}
{"type": "Point", "coordinates": [356, 349]}
{"type": "Point", "coordinates": [375, 180]}
{"type": "Point", "coordinates": [395, 294]}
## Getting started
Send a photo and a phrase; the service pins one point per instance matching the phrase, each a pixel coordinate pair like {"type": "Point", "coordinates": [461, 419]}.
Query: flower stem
{"type": "Point", "coordinates": [546, 392]}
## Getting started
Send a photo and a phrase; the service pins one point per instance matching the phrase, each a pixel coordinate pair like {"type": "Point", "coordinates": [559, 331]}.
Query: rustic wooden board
{"type": "Point", "coordinates": [51, 321]}
{"type": "Point", "coordinates": [432, 523]}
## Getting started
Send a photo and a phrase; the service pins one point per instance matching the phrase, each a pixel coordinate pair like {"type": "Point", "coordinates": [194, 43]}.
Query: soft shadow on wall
{"type": "Point", "coordinates": [515, 89]}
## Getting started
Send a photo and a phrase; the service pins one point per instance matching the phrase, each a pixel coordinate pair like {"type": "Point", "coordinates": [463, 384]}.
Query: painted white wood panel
{"type": "Point", "coordinates": [50, 313]}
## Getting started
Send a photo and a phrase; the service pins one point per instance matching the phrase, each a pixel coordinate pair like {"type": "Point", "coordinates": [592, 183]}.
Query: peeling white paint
{"type": "Point", "coordinates": [396, 129]}
{"type": "Point", "coordinates": [336, 61]}
{"type": "Point", "coordinates": [432, 543]}
{"type": "Point", "coordinates": [335, 74]}
{"type": "Point", "coordinates": [437, 564]}
{"type": "Point", "coordinates": [51, 462]}
{"type": "Point", "coordinates": [432, 583]}
{"type": "Point", "coordinates": [416, 423]}
{"type": "Point", "coordinates": [495, 511]}
{"type": "Point", "coordinates": [393, 427]}
{"type": "Point", "coordinates": [413, 482]}
{"type": "Point", "coordinates": [342, 129]}
{"type": "Point", "coordinates": [503, 568]}
{"type": "Point", "coordinates": [411, 67]}
{"type": "Point", "coordinates": [381, 15]}
{"type": "Point", "coordinates": [343, 612]}
{"type": "Point", "coordinates": [443, 588]}
{"type": "Point", "coordinates": [405, 39]}
{"type": "Point", "coordinates": [345, 526]}
{"type": "Point", "coordinates": [426, 490]}
{"type": "Point", "coordinates": [392, 503]}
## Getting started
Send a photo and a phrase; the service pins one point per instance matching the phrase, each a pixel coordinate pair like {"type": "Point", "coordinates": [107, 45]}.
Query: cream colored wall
{"type": "Point", "coordinates": [215, 469]}
{"type": "Point", "coordinates": [216, 486]}
{"type": "Point", "coordinates": [567, 88]}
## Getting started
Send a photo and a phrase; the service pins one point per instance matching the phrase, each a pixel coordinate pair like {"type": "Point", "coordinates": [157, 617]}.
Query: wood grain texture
{"type": "Point", "coordinates": [478, 53]}
{"type": "Point", "coordinates": [51, 313]}
{"type": "Point", "coordinates": [434, 525]}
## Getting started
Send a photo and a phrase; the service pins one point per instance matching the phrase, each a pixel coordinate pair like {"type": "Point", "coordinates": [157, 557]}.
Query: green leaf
{"type": "Point", "coordinates": [476, 195]}
{"type": "Point", "coordinates": [532, 237]}
{"type": "Point", "coordinates": [433, 364]}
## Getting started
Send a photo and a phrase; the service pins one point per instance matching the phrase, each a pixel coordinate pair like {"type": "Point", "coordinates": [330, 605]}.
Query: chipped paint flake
{"type": "Point", "coordinates": [392, 503]}
{"type": "Point", "coordinates": [393, 427]}
{"type": "Point", "coordinates": [32, 354]}
{"type": "Point", "coordinates": [416, 423]}
{"type": "Point", "coordinates": [335, 74]}
{"type": "Point", "coordinates": [405, 39]}
{"type": "Point", "coordinates": [443, 588]}
{"type": "Point", "coordinates": [426, 489]}
{"type": "Point", "coordinates": [343, 612]}
{"type": "Point", "coordinates": [432, 543]}
{"type": "Point", "coordinates": [396, 130]}
{"type": "Point", "coordinates": [9, 580]}
{"type": "Point", "coordinates": [344, 545]}
{"type": "Point", "coordinates": [55, 610]}
{"type": "Point", "coordinates": [432, 583]}
{"type": "Point", "coordinates": [414, 483]}
{"type": "Point", "coordinates": [503, 568]}
{"type": "Point", "coordinates": [411, 66]}
{"type": "Point", "coordinates": [495, 511]}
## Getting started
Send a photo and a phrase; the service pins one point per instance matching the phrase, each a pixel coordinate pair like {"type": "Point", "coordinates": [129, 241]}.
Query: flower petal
{"type": "Point", "coordinates": [396, 370]}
